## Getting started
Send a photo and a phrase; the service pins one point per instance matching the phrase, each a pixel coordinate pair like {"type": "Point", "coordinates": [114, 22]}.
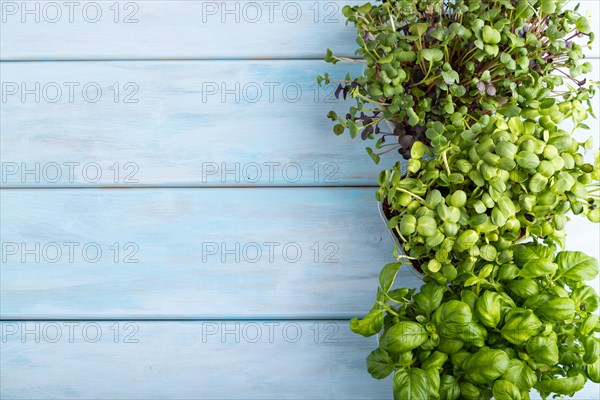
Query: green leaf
{"type": "Point", "coordinates": [524, 288]}
{"type": "Point", "coordinates": [430, 297]}
{"type": "Point", "coordinates": [516, 125]}
{"type": "Point", "coordinates": [450, 77]}
{"type": "Point", "coordinates": [576, 266]}
{"type": "Point", "coordinates": [370, 324]}
{"type": "Point", "coordinates": [524, 253]}
{"type": "Point", "coordinates": [543, 349]}
{"type": "Point", "coordinates": [537, 268]}
{"type": "Point", "coordinates": [398, 295]}
{"type": "Point", "coordinates": [488, 308]}
{"type": "Point", "coordinates": [491, 35]}
{"type": "Point", "coordinates": [510, 110]}
{"type": "Point", "coordinates": [408, 224]}
{"type": "Point", "coordinates": [486, 365]}
{"type": "Point", "coordinates": [520, 374]}
{"type": "Point", "coordinates": [527, 160]}
{"type": "Point", "coordinates": [556, 310]}
{"type": "Point", "coordinates": [505, 390]}
{"type": "Point", "coordinates": [406, 56]}
{"type": "Point", "coordinates": [388, 275]}
{"type": "Point", "coordinates": [338, 129]}
{"type": "Point", "coordinates": [412, 383]}
{"type": "Point", "coordinates": [426, 226]}
{"type": "Point", "coordinates": [404, 336]}
{"type": "Point", "coordinates": [436, 360]}
{"type": "Point", "coordinates": [548, 6]}
{"type": "Point", "coordinates": [376, 158]}
{"type": "Point", "coordinates": [380, 364]}
{"type": "Point", "coordinates": [520, 326]}
{"type": "Point", "coordinates": [466, 240]}
{"type": "Point", "coordinates": [352, 128]}
{"type": "Point", "coordinates": [419, 29]}
{"type": "Point", "coordinates": [452, 317]}
{"type": "Point", "coordinates": [432, 55]}
{"type": "Point", "coordinates": [566, 386]}
{"type": "Point", "coordinates": [586, 299]}
{"type": "Point", "coordinates": [449, 388]}
{"type": "Point", "coordinates": [593, 371]}
{"type": "Point", "coordinates": [583, 25]}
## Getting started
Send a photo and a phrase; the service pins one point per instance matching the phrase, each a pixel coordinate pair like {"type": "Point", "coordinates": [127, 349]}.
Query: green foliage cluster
{"type": "Point", "coordinates": [457, 63]}
{"type": "Point", "coordinates": [476, 92]}
{"type": "Point", "coordinates": [527, 323]}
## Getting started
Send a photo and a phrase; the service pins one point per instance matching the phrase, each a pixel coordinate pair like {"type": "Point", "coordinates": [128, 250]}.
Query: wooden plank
{"type": "Point", "coordinates": [177, 134]}
{"type": "Point", "coordinates": [201, 253]}
{"type": "Point", "coordinates": [187, 360]}
{"type": "Point", "coordinates": [190, 360]}
{"type": "Point", "coordinates": [188, 29]}
{"type": "Point", "coordinates": [174, 123]}
{"type": "Point", "coordinates": [200, 29]}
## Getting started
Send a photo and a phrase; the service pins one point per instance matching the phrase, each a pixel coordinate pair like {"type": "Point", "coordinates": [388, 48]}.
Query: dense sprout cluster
{"type": "Point", "coordinates": [457, 62]}
{"type": "Point", "coordinates": [516, 181]}
{"type": "Point", "coordinates": [477, 93]}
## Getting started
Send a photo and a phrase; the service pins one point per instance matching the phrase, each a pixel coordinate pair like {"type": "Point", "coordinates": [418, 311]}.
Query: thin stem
{"type": "Point", "coordinates": [422, 200]}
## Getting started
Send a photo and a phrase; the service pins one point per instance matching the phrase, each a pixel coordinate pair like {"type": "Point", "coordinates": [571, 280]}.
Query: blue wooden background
{"type": "Point", "coordinates": [178, 220]}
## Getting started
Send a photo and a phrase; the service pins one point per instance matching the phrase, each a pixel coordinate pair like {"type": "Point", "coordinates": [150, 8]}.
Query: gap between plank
{"type": "Point", "coordinates": [194, 319]}
{"type": "Point", "coordinates": [151, 59]}
{"type": "Point", "coordinates": [167, 186]}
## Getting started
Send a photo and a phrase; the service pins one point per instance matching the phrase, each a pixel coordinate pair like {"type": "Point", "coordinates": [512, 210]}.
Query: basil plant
{"type": "Point", "coordinates": [529, 325]}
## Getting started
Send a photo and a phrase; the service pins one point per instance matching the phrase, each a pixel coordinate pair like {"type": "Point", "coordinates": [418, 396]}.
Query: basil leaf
{"type": "Point", "coordinates": [567, 386]}
{"type": "Point", "coordinates": [520, 326]}
{"type": "Point", "coordinates": [593, 371]}
{"type": "Point", "coordinates": [436, 360]}
{"type": "Point", "coordinates": [430, 297]}
{"type": "Point", "coordinates": [370, 324]}
{"type": "Point", "coordinates": [592, 349]}
{"type": "Point", "coordinates": [434, 381]}
{"type": "Point", "coordinates": [505, 390]}
{"type": "Point", "coordinates": [543, 349]}
{"type": "Point", "coordinates": [486, 365]}
{"type": "Point", "coordinates": [586, 299]}
{"type": "Point", "coordinates": [412, 383]}
{"type": "Point", "coordinates": [449, 388]}
{"type": "Point", "coordinates": [556, 310]}
{"type": "Point", "coordinates": [470, 391]}
{"type": "Point", "coordinates": [534, 260]}
{"type": "Point", "coordinates": [576, 266]}
{"type": "Point", "coordinates": [524, 253]}
{"type": "Point", "coordinates": [488, 309]}
{"type": "Point", "coordinates": [520, 374]}
{"type": "Point", "coordinates": [450, 346]}
{"type": "Point", "coordinates": [453, 311]}
{"type": "Point", "coordinates": [404, 336]}
{"type": "Point", "coordinates": [388, 275]}
{"type": "Point", "coordinates": [380, 364]}
{"type": "Point", "coordinates": [524, 288]}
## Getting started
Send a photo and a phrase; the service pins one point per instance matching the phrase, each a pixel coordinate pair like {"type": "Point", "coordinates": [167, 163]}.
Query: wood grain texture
{"type": "Point", "coordinates": [166, 29]}
{"type": "Point", "coordinates": [191, 360]}
{"type": "Point", "coordinates": [191, 29]}
{"type": "Point", "coordinates": [327, 248]}
{"type": "Point", "coordinates": [188, 360]}
{"type": "Point", "coordinates": [185, 128]}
